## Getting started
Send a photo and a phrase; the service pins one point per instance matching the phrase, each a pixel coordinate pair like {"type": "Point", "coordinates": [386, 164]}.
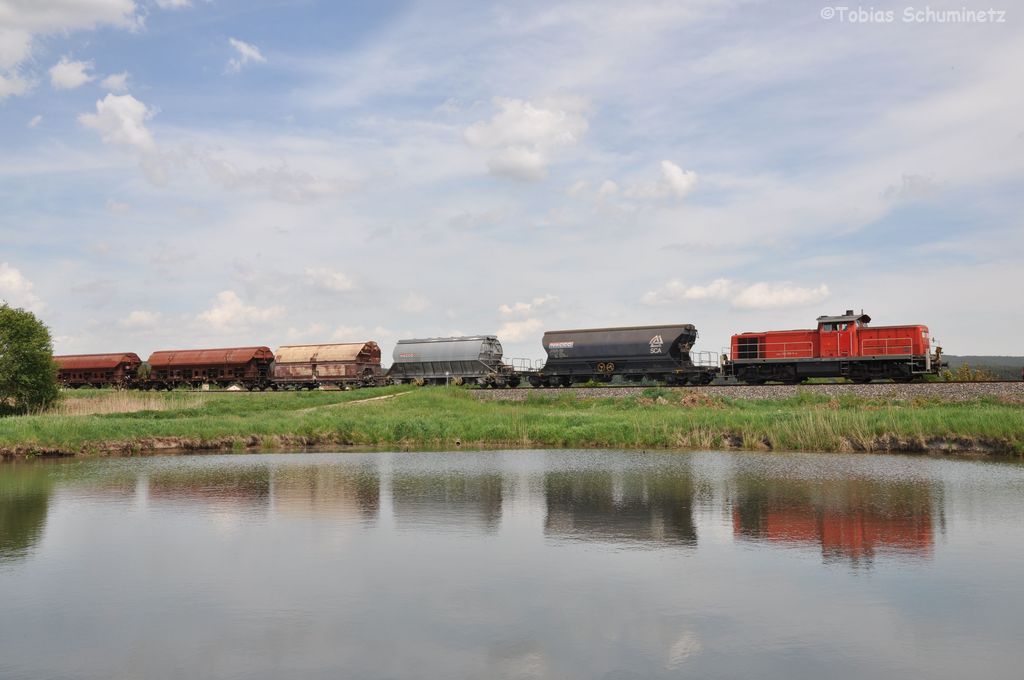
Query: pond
{"type": "Point", "coordinates": [512, 564]}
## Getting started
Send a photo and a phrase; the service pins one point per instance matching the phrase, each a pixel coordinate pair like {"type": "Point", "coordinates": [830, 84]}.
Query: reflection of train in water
{"type": "Point", "coordinates": [842, 346]}
{"type": "Point", "coordinates": [439, 499]}
{"type": "Point", "coordinates": [850, 519]}
{"type": "Point", "coordinates": [632, 506]}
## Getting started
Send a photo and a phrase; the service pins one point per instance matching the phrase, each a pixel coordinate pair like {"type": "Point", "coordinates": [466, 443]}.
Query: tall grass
{"type": "Point", "coordinates": [126, 402]}
{"type": "Point", "coordinates": [446, 417]}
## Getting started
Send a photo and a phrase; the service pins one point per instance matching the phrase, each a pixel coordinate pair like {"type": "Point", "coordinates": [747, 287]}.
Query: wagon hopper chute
{"type": "Point", "coordinates": [341, 365]}
{"type": "Point", "coordinates": [660, 353]}
{"type": "Point", "coordinates": [98, 370]}
{"type": "Point", "coordinates": [475, 359]}
{"type": "Point", "coordinates": [245, 366]}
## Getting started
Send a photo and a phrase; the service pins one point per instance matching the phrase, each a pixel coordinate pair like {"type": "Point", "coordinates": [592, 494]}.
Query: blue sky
{"type": "Point", "coordinates": [223, 172]}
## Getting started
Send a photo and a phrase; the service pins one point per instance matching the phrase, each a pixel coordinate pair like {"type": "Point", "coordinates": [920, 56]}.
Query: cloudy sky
{"type": "Point", "coordinates": [183, 173]}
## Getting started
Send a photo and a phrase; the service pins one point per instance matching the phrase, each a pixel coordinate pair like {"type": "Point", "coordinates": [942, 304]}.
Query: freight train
{"type": "Point", "coordinates": [843, 346]}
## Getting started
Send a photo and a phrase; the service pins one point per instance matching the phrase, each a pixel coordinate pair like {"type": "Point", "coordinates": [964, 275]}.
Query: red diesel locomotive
{"type": "Point", "coordinates": [841, 347]}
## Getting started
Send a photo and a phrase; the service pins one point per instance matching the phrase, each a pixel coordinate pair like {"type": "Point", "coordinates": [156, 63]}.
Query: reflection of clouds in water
{"type": "Point", "coordinates": [519, 663]}
{"type": "Point", "coordinates": [225, 521]}
{"type": "Point", "coordinates": [686, 646]}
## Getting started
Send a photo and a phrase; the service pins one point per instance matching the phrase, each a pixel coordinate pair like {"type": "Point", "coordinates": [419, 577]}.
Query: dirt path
{"type": "Point", "coordinates": [350, 403]}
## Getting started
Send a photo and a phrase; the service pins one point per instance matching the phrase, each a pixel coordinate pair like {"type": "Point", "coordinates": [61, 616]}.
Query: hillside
{"type": "Point", "coordinates": [1008, 368]}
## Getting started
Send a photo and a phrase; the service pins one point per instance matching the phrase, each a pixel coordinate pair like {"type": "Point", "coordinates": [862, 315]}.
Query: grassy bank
{"type": "Point", "coordinates": [405, 417]}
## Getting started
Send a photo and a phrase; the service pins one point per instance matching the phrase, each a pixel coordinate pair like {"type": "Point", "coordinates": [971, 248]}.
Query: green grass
{"type": "Point", "coordinates": [448, 417]}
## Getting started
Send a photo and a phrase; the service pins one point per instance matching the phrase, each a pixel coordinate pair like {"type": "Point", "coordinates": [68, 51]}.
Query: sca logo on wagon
{"type": "Point", "coordinates": [656, 343]}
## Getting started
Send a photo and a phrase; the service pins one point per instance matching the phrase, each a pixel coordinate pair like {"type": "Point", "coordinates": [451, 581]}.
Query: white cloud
{"type": "Point", "coordinates": [754, 296]}
{"type": "Point", "coordinates": [679, 182]}
{"type": "Point", "coordinates": [674, 182]}
{"type": "Point", "coordinates": [229, 312]}
{"type": "Point", "coordinates": [519, 331]}
{"type": "Point", "coordinates": [415, 303]}
{"type": "Point", "coordinates": [674, 291]}
{"type": "Point", "coordinates": [115, 82]}
{"type": "Point", "coordinates": [173, 4]}
{"type": "Point", "coordinates": [16, 290]}
{"type": "Point", "coordinates": [314, 332]}
{"type": "Point", "coordinates": [120, 119]}
{"type": "Point", "coordinates": [518, 162]}
{"type": "Point", "coordinates": [141, 319]}
{"type": "Point", "coordinates": [246, 53]}
{"type": "Point", "coordinates": [13, 84]}
{"type": "Point", "coordinates": [21, 21]}
{"type": "Point", "coordinates": [118, 207]}
{"type": "Point", "coordinates": [524, 308]}
{"type": "Point", "coordinates": [329, 279]}
{"type": "Point", "coordinates": [521, 135]}
{"type": "Point", "coordinates": [282, 183]}
{"type": "Point", "coordinates": [773, 296]}
{"type": "Point", "coordinates": [68, 75]}
{"type": "Point", "coordinates": [36, 120]}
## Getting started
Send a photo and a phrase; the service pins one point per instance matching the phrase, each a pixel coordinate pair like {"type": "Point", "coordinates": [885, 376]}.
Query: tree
{"type": "Point", "coordinates": [28, 374]}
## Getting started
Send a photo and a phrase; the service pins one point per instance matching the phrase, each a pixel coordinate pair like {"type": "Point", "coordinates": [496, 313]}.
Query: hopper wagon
{"type": "Point", "coordinates": [118, 370]}
{"type": "Point", "coordinates": [473, 359]}
{"type": "Point", "coordinates": [245, 366]}
{"type": "Point", "coordinates": [308, 367]}
{"type": "Point", "coordinates": [658, 353]}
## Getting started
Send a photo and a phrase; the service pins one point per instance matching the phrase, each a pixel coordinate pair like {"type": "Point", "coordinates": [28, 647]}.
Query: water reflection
{"type": "Point", "coordinates": [447, 499]}
{"type": "Point", "coordinates": [327, 490]}
{"type": "Point", "coordinates": [647, 506]}
{"type": "Point", "coordinates": [24, 500]}
{"type": "Point", "coordinates": [548, 564]}
{"type": "Point", "coordinates": [850, 519]}
{"type": "Point", "coordinates": [229, 486]}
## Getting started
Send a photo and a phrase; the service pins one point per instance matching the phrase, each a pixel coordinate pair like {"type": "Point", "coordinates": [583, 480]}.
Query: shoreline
{"type": "Point", "coordinates": [958, 447]}
{"type": "Point", "coordinates": [108, 424]}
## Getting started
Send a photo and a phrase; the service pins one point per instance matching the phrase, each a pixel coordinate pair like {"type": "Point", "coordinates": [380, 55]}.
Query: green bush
{"type": "Point", "coordinates": [28, 374]}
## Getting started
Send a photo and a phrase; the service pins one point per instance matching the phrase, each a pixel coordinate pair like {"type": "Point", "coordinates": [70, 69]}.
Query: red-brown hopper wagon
{"type": "Point", "coordinates": [98, 370]}
{"type": "Point", "coordinates": [248, 367]}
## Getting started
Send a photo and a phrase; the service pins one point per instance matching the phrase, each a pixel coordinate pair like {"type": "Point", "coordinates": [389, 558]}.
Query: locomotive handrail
{"type": "Point", "coordinates": [887, 346]}
{"type": "Point", "coordinates": [778, 350]}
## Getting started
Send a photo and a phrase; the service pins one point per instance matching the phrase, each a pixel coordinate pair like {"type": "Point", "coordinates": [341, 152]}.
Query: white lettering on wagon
{"type": "Point", "coordinates": [567, 344]}
{"type": "Point", "coordinates": [656, 344]}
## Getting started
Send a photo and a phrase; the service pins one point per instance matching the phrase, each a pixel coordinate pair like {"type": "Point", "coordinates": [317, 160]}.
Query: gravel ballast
{"type": "Point", "coordinates": [942, 391]}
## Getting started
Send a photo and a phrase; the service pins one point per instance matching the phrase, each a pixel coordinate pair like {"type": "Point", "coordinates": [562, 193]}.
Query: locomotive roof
{"type": "Point", "coordinates": [95, 361]}
{"type": "Point", "coordinates": [205, 357]}
{"type": "Point", "coordinates": [849, 316]}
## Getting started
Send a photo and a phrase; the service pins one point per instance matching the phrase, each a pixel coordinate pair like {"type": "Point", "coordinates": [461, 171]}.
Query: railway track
{"type": "Point", "coordinates": [946, 391]}
{"type": "Point", "coordinates": [918, 386]}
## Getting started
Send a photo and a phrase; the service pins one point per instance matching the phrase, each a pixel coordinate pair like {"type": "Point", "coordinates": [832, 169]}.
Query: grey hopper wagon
{"type": "Point", "coordinates": [473, 359]}
{"type": "Point", "coordinates": [659, 353]}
